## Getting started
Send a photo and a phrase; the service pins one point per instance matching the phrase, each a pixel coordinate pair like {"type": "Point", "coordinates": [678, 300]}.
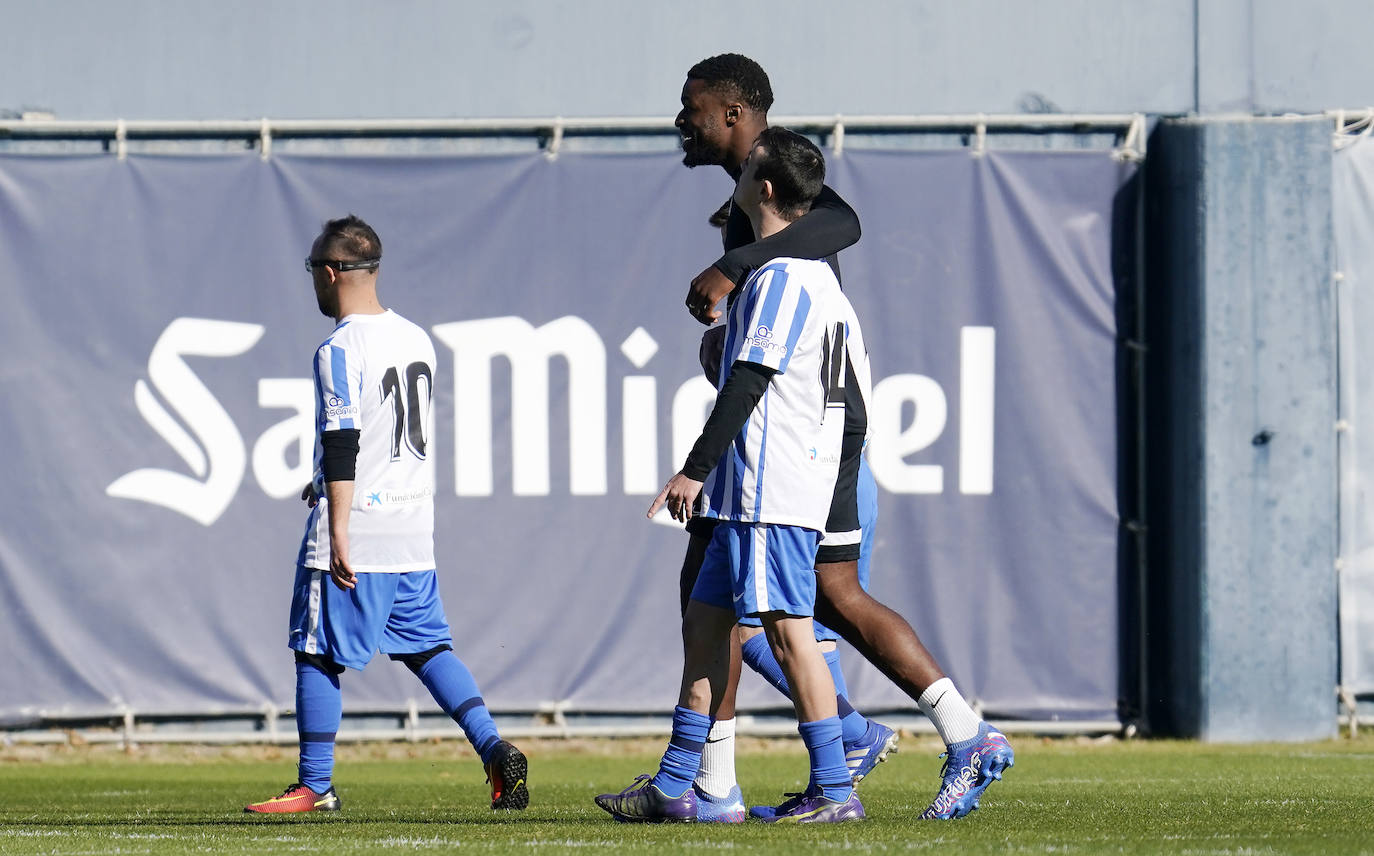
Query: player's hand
{"type": "Point", "coordinates": [339, 569]}
{"type": "Point", "coordinates": [680, 495]}
{"type": "Point", "coordinates": [309, 496]}
{"type": "Point", "coordinates": [708, 288]}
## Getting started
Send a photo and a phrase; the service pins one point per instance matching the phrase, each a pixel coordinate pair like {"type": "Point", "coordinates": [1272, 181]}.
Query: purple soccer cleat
{"type": "Point", "coordinates": [643, 802]}
{"type": "Point", "coordinates": [811, 807]}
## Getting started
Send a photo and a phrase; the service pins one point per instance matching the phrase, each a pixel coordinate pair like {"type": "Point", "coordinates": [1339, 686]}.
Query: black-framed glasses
{"type": "Point", "coordinates": [341, 266]}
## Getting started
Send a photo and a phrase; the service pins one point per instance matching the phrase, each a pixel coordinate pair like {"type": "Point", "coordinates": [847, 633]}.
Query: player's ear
{"type": "Point", "coordinates": [766, 191]}
{"type": "Point", "coordinates": [732, 114]}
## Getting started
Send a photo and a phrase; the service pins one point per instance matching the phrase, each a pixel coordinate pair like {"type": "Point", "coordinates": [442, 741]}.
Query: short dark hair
{"type": "Point", "coordinates": [794, 165]}
{"type": "Point", "coordinates": [349, 239]}
{"type": "Point", "coordinates": [735, 76]}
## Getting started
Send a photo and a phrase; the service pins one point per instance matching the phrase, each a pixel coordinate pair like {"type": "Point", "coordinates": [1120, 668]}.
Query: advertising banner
{"type": "Point", "coordinates": [158, 419]}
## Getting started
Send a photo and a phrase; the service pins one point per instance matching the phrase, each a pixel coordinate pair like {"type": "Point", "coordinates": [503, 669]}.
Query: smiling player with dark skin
{"type": "Point", "coordinates": [725, 100]}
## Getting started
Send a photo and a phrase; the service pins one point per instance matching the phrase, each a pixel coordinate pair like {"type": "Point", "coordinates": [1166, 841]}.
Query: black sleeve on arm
{"type": "Point", "coordinates": [340, 457]}
{"type": "Point", "coordinates": [738, 398]}
{"type": "Point", "coordinates": [830, 226]}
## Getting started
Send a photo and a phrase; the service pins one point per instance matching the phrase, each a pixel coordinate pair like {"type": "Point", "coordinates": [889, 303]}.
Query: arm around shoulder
{"type": "Point", "coordinates": [830, 226]}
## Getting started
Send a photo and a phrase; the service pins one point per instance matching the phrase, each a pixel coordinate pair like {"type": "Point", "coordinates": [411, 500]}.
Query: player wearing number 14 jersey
{"type": "Point", "coordinates": [791, 317]}
{"type": "Point", "coordinates": [365, 576]}
{"type": "Point", "coordinates": [767, 459]}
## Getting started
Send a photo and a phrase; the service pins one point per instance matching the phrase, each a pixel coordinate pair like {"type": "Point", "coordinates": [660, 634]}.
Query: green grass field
{"type": "Point", "coordinates": [1064, 796]}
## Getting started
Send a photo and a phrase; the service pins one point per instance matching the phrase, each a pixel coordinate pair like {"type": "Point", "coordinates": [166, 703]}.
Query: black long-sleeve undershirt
{"type": "Point", "coordinates": [830, 226]}
{"type": "Point", "coordinates": [737, 399]}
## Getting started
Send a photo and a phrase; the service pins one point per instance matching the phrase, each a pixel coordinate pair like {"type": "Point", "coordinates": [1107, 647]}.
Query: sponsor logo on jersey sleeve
{"type": "Point", "coordinates": [763, 340]}
{"type": "Point", "coordinates": [336, 409]}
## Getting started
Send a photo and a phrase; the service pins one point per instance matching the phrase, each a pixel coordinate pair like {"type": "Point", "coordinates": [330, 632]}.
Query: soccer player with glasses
{"type": "Point", "coordinates": [365, 575]}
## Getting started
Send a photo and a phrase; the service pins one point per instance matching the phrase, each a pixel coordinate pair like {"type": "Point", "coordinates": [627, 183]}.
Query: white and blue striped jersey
{"type": "Point", "coordinates": [790, 316]}
{"type": "Point", "coordinates": [375, 373]}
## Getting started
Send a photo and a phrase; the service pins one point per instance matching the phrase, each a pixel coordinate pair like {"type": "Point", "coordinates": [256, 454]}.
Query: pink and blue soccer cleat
{"type": "Point", "coordinates": [726, 809]}
{"type": "Point", "coordinates": [643, 802]}
{"type": "Point", "coordinates": [969, 768]}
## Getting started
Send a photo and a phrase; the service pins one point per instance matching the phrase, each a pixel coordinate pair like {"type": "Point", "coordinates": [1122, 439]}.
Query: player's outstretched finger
{"type": "Point", "coordinates": [658, 502]}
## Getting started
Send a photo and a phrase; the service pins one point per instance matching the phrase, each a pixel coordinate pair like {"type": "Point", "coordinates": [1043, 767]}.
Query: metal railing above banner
{"type": "Point", "coordinates": [1129, 128]}
{"type": "Point", "coordinates": [1351, 125]}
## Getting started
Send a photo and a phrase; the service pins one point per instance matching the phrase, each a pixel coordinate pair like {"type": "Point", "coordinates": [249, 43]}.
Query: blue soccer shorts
{"type": "Point", "coordinates": [391, 613]}
{"type": "Point", "coordinates": [754, 568]}
{"type": "Point", "coordinates": [868, 522]}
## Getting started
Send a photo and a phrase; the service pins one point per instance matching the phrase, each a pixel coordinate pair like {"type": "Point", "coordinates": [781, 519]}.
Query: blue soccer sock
{"type": "Point", "coordinates": [832, 661]}
{"type": "Point", "coordinates": [758, 655]}
{"type": "Point", "coordinates": [826, 747]}
{"type": "Point", "coordinates": [854, 724]}
{"type": "Point", "coordinates": [319, 710]}
{"type": "Point", "coordinates": [683, 758]}
{"type": "Point", "coordinates": [454, 688]}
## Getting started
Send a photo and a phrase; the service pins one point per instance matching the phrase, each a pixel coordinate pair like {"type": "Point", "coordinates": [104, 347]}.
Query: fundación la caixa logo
{"type": "Point", "coordinates": [907, 414]}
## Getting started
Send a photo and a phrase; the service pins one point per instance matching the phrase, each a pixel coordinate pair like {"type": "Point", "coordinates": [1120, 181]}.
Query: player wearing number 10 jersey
{"type": "Point", "coordinates": [365, 576]}
{"type": "Point", "coordinates": [378, 371]}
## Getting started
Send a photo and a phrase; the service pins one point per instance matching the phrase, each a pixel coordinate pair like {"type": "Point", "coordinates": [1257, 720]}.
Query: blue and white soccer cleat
{"type": "Point", "coordinates": [868, 751]}
{"type": "Point", "coordinates": [726, 809]}
{"type": "Point", "coordinates": [811, 807]}
{"type": "Point", "coordinates": [643, 802]}
{"type": "Point", "coordinates": [969, 768]}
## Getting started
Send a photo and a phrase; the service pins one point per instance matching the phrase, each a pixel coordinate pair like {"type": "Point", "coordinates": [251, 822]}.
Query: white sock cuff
{"type": "Point", "coordinates": [717, 773]}
{"type": "Point", "coordinates": [720, 729]}
{"type": "Point", "coordinates": [949, 712]}
{"type": "Point", "coordinates": [933, 693]}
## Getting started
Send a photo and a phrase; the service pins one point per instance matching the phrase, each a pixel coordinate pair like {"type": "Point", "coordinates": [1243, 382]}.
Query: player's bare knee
{"type": "Point", "coordinates": [786, 632]}
{"type": "Point", "coordinates": [705, 620]}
